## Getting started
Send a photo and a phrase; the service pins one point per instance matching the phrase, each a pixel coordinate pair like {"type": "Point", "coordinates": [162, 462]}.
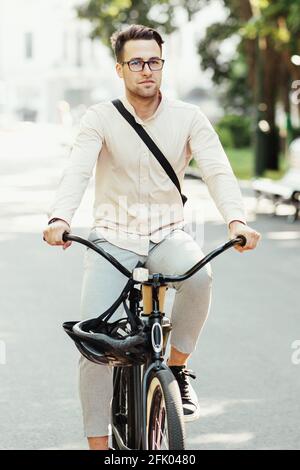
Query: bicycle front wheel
{"type": "Point", "coordinates": [165, 426]}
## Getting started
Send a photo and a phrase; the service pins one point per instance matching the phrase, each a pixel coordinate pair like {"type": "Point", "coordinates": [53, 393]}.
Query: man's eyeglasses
{"type": "Point", "coordinates": [137, 65]}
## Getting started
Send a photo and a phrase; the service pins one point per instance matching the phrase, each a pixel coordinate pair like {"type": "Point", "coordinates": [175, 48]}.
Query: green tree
{"type": "Point", "coordinates": [108, 16]}
{"type": "Point", "coordinates": [268, 34]}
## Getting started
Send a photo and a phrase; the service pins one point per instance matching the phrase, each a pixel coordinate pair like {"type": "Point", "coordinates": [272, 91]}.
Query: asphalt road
{"type": "Point", "coordinates": [248, 386]}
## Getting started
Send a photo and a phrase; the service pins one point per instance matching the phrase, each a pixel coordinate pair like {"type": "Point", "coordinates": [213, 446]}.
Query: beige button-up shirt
{"type": "Point", "coordinates": [135, 200]}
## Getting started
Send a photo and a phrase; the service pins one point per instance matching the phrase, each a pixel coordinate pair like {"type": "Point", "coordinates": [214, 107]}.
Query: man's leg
{"type": "Point", "coordinates": [98, 443]}
{"type": "Point", "coordinates": [177, 358]}
{"type": "Point", "coordinates": [102, 284]}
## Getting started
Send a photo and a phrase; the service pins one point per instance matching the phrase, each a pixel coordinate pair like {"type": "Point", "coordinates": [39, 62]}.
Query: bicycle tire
{"type": "Point", "coordinates": [164, 408]}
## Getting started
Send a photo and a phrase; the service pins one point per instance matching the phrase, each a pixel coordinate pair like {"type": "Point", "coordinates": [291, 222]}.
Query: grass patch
{"type": "Point", "coordinates": [242, 162]}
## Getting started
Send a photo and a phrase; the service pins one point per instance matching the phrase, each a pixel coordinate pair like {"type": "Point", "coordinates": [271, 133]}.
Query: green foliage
{"type": "Point", "coordinates": [234, 130]}
{"type": "Point", "coordinates": [225, 136]}
{"type": "Point", "coordinates": [209, 49]}
{"type": "Point", "coordinates": [278, 19]}
{"type": "Point", "coordinates": [232, 74]}
{"type": "Point", "coordinates": [108, 16]}
{"type": "Point", "coordinates": [242, 162]}
{"type": "Point", "coordinates": [275, 20]}
{"type": "Point", "coordinates": [295, 132]}
{"type": "Point", "coordinates": [235, 94]}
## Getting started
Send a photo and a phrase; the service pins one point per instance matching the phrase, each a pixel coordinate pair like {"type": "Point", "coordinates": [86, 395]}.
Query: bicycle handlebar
{"type": "Point", "coordinates": [240, 240]}
{"type": "Point", "coordinates": [74, 238]}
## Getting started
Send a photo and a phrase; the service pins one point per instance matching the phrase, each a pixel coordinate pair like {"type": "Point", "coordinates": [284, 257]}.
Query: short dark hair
{"type": "Point", "coordinates": [135, 31]}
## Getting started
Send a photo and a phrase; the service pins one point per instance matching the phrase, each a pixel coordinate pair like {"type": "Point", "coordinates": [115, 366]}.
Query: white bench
{"type": "Point", "coordinates": [287, 189]}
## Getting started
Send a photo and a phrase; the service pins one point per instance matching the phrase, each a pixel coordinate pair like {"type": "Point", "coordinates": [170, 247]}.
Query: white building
{"type": "Point", "coordinates": [46, 57]}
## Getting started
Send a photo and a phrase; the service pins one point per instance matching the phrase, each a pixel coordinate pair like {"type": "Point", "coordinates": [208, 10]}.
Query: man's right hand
{"type": "Point", "coordinates": [53, 233]}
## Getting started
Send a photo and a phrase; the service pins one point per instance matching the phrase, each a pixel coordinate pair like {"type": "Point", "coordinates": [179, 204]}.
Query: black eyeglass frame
{"type": "Point", "coordinates": [144, 63]}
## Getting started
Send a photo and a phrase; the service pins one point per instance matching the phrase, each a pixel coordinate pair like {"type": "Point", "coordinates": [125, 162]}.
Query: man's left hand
{"type": "Point", "coordinates": [252, 236]}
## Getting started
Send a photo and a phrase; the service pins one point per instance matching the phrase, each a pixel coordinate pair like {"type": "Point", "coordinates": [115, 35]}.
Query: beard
{"type": "Point", "coordinates": [144, 90]}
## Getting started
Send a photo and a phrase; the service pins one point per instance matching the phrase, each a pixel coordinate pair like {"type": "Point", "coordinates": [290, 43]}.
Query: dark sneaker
{"type": "Point", "coordinates": [190, 404]}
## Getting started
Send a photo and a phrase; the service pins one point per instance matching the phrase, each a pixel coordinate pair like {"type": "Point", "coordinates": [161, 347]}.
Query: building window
{"type": "Point", "coordinates": [28, 46]}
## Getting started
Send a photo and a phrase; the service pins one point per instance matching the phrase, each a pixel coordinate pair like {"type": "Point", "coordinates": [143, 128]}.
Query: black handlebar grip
{"type": "Point", "coordinates": [65, 236]}
{"type": "Point", "coordinates": [243, 240]}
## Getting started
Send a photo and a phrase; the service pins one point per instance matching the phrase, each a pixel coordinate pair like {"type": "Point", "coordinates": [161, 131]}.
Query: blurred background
{"type": "Point", "coordinates": [239, 61]}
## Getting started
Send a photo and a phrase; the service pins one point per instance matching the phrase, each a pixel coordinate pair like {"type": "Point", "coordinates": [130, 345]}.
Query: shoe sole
{"type": "Point", "coordinates": [192, 417]}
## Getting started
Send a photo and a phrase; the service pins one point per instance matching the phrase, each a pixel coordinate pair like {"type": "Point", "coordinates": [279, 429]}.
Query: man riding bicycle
{"type": "Point", "coordinates": [138, 211]}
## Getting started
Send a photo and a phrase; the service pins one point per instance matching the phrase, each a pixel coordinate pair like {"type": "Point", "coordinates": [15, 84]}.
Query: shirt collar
{"type": "Point", "coordinates": [131, 109]}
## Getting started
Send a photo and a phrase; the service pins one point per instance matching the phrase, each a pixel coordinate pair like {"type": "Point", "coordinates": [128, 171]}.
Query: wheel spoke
{"type": "Point", "coordinates": [162, 431]}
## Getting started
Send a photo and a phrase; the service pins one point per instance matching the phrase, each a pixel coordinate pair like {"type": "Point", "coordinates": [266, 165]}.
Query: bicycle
{"type": "Point", "coordinates": [146, 407]}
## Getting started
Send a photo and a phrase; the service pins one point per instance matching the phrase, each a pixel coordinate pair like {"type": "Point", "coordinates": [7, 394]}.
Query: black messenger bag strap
{"type": "Point", "coordinates": [150, 144]}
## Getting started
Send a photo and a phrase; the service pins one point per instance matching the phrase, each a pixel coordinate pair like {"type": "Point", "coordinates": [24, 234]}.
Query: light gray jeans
{"type": "Point", "coordinates": [102, 284]}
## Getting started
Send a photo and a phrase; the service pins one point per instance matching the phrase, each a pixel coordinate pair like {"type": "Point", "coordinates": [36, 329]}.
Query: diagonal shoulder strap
{"type": "Point", "coordinates": [150, 144]}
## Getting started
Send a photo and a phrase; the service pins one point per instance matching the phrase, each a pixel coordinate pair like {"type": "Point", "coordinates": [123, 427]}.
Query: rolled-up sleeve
{"type": "Point", "coordinates": [215, 169]}
{"type": "Point", "coordinates": [79, 168]}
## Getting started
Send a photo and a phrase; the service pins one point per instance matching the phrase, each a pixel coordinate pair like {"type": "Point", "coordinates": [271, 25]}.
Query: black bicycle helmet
{"type": "Point", "coordinates": [112, 343]}
{"type": "Point", "coordinates": [120, 343]}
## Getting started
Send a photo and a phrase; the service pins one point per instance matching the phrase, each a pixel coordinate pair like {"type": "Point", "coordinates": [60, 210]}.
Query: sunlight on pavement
{"type": "Point", "coordinates": [222, 438]}
{"type": "Point", "coordinates": [32, 178]}
{"type": "Point", "coordinates": [288, 235]}
{"type": "Point", "coordinates": [221, 406]}
{"type": "Point", "coordinates": [28, 140]}
{"type": "Point", "coordinates": [6, 237]}
{"type": "Point", "coordinates": [69, 446]}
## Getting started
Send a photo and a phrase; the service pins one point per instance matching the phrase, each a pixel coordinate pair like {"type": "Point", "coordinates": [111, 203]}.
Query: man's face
{"type": "Point", "coordinates": [144, 49]}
